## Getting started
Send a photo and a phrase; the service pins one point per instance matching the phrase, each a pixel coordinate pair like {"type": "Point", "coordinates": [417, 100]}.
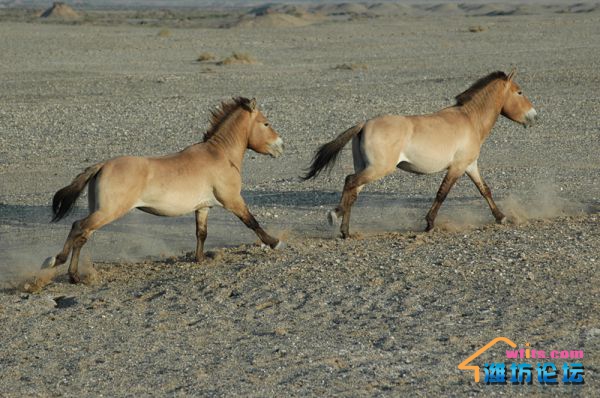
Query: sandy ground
{"type": "Point", "coordinates": [392, 311]}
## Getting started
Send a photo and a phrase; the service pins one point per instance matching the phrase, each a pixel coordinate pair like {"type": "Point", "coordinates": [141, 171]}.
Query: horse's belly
{"type": "Point", "coordinates": [422, 164]}
{"type": "Point", "coordinates": [171, 206]}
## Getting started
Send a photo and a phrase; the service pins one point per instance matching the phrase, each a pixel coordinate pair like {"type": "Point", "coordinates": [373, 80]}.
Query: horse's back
{"type": "Point", "coordinates": [125, 170]}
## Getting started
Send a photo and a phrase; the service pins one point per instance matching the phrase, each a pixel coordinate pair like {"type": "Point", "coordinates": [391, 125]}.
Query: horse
{"type": "Point", "coordinates": [449, 139]}
{"type": "Point", "coordinates": [201, 176]}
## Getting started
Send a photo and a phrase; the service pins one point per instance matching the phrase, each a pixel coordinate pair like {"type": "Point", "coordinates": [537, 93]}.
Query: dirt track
{"type": "Point", "coordinates": [391, 312]}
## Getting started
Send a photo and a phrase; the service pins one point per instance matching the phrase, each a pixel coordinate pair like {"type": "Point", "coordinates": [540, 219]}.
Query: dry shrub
{"type": "Point", "coordinates": [352, 66]}
{"type": "Point", "coordinates": [476, 29]}
{"type": "Point", "coordinates": [238, 58]}
{"type": "Point", "coordinates": [164, 33]}
{"type": "Point", "coordinates": [205, 56]}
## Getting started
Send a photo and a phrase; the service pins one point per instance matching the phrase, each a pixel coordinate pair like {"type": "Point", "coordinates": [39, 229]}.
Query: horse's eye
{"type": "Point", "coordinates": [520, 92]}
{"type": "Point", "coordinates": [266, 124]}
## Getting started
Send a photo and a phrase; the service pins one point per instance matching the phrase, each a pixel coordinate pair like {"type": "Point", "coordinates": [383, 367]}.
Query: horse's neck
{"type": "Point", "coordinates": [232, 139]}
{"type": "Point", "coordinates": [484, 109]}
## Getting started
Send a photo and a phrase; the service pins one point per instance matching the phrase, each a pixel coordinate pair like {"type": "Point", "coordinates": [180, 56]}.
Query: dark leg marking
{"type": "Point", "coordinates": [447, 184]}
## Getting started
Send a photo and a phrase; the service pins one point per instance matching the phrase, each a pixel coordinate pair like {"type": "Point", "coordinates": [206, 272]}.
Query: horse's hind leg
{"type": "Point", "coordinates": [351, 190]}
{"type": "Point", "coordinates": [79, 235]}
{"type": "Point", "coordinates": [484, 189]}
{"type": "Point", "coordinates": [62, 257]}
{"type": "Point", "coordinates": [359, 165]}
{"type": "Point", "coordinates": [201, 232]}
{"type": "Point", "coordinates": [78, 243]}
{"type": "Point", "coordinates": [449, 180]}
{"type": "Point", "coordinates": [353, 184]}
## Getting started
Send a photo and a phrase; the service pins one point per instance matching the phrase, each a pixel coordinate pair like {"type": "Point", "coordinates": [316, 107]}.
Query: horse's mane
{"type": "Point", "coordinates": [220, 115]}
{"type": "Point", "coordinates": [476, 87]}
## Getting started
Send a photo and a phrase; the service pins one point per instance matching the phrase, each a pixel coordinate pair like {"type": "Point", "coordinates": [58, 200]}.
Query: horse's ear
{"type": "Point", "coordinates": [512, 74]}
{"type": "Point", "coordinates": [249, 105]}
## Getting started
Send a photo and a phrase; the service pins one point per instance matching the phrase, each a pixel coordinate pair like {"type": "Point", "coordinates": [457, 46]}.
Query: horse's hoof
{"type": "Point", "coordinates": [332, 218]}
{"type": "Point", "coordinates": [74, 278]}
{"type": "Point", "coordinates": [502, 220]}
{"type": "Point", "coordinates": [49, 262]}
{"type": "Point", "coordinates": [280, 245]}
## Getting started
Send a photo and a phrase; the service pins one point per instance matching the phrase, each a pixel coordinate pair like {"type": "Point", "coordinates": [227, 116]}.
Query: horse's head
{"type": "Point", "coordinates": [262, 138]}
{"type": "Point", "coordinates": [517, 106]}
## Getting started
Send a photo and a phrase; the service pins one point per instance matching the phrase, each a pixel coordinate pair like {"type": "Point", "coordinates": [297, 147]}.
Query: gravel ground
{"type": "Point", "coordinates": [391, 312]}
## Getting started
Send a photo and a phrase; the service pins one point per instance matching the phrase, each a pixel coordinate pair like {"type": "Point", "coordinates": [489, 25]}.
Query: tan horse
{"type": "Point", "coordinates": [199, 177]}
{"type": "Point", "coordinates": [449, 139]}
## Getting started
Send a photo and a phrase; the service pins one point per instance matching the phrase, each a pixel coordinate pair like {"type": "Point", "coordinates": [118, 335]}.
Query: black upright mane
{"type": "Point", "coordinates": [220, 115]}
{"type": "Point", "coordinates": [476, 87]}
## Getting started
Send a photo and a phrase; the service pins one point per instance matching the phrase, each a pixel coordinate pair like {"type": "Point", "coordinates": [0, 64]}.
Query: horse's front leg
{"type": "Point", "coordinates": [238, 207]}
{"type": "Point", "coordinates": [201, 232]}
{"type": "Point", "coordinates": [484, 189]}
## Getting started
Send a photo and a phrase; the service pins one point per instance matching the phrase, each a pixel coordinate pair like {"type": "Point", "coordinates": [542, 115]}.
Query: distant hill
{"type": "Point", "coordinates": [60, 10]}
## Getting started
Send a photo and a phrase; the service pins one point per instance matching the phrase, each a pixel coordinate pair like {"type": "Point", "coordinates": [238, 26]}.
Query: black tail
{"type": "Point", "coordinates": [327, 154]}
{"type": "Point", "coordinates": [63, 200]}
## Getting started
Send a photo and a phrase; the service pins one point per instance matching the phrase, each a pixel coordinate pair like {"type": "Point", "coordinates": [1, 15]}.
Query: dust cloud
{"type": "Point", "coordinates": [543, 202]}
{"type": "Point", "coordinates": [137, 239]}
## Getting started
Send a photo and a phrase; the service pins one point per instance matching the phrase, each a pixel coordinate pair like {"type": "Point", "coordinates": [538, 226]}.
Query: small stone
{"type": "Point", "coordinates": [280, 331]}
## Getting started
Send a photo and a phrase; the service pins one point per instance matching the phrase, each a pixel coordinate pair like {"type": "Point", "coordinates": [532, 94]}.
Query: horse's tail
{"type": "Point", "coordinates": [64, 199]}
{"type": "Point", "coordinates": [327, 153]}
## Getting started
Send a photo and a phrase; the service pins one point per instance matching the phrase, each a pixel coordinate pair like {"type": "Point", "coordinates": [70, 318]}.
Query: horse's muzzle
{"type": "Point", "coordinates": [276, 148]}
{"type": "Point", "coordinates": [531, 118]}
